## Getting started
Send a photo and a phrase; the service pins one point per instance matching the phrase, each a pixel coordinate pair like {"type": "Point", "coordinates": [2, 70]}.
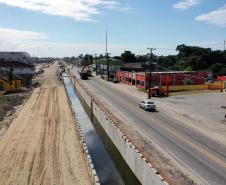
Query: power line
{"type": "Point", "coordinates": [166, 49]}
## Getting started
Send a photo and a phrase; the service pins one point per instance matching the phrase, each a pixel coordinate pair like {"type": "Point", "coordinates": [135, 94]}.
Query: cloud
{"type": "Point", "coordinates": [79, 10]}
{"type": "Point", "coordinates": [217, 17]}
{"type": "Point", "coordinates": [38, 44]}
{"type": "Point", "coordinates": [185, 4]}
{"type": "Point", "coordinates": [54, 49]}
{"type": "Point", "coordinates": [113, 5]}
{"type": "Point", "coordinates": [13, 34]}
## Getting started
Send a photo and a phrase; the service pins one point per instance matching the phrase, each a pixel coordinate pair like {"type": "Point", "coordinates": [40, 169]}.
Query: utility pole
{"type": "Point", "coordinates": [106, 41]}
{"type": "Point", "coordinates": [96, 63]}
{"type": "Point", "coordinates": [107, 55]}
{"type": "Point", "coordinates": [224, 45]}
{"type": "Point", "coordinates": [149, 85]}
{"type": "Point", "coordinates": [224, 107]}
{"type": "Point", "coordinates": [108, 70]}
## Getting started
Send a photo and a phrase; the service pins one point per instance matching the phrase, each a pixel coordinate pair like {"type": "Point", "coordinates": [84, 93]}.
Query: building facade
{"type": "Point", "coordinates": [9, 85]}
{"type": "Point", "coordinates": [173, 78]}
{"type": "Point", "coordinates": [20, 63]}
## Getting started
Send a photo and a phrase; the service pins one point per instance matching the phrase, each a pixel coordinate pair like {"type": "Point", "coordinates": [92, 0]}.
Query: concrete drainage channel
{"type": "Point", "coordinates": [100, 165]}
{"type": "Point", "coordinates": [94, 178]}
{"type": "Point", "coordinates": [136, 162]}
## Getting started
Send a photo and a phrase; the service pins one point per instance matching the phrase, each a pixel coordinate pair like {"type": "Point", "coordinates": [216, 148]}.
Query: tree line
{"type": "Point", "coordinates": [188, 58]}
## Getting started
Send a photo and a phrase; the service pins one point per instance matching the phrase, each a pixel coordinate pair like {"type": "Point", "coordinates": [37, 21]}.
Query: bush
{"type": "Point", "coordinates": [188, 81]}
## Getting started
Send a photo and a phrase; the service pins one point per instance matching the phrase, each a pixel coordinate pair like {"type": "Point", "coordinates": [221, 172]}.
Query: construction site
{"type": "Point", "coordinates": [67, 129]}
{"type": "Point", "coordinates": [41, 145]}
{"type": "Point", "coordinates": [112, 92]}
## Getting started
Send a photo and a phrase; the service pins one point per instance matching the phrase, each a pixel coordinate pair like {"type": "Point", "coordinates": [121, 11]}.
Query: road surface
{"type": "Point", "coordinates": [41, 146]}
{"type": "Point", "coordinates": [203, 156]}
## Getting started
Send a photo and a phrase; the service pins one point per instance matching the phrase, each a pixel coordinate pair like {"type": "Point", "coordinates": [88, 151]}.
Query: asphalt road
{"type": "Point", "coordinates": [204, 157]}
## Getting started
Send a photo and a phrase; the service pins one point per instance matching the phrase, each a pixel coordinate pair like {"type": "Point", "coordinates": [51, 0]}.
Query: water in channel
{"type": "Point", "coordinates": [104, 165]}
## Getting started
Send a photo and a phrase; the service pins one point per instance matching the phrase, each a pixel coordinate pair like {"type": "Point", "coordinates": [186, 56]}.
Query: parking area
{"type": "Point", "coordinates": [201, 112]}
{"type": "Point", "coordinates": [205, 106]}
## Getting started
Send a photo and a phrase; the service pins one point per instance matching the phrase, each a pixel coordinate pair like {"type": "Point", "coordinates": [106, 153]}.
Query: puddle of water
{"type": "Point", "coordinates": [104, 165]}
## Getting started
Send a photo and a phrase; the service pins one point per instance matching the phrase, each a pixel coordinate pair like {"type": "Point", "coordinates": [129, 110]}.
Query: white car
{"type": "Point", "coordinates": [147, 105]}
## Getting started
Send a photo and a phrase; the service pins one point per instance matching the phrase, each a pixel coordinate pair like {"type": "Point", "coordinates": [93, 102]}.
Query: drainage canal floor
{"type": "Point", "coordinates": [103, 163]}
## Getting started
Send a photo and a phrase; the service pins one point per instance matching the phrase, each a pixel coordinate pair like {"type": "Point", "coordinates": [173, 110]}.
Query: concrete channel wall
{"type": "Point", "coordinates": [141, 168]}
{"type": "Point", "coordinates": [94, 178]}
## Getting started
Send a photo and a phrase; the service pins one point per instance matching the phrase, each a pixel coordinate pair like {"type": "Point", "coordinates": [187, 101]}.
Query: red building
{"type": "Point", "coordinates": [141, 80]}
{"type": "Point", "coordinates": [221, 78]}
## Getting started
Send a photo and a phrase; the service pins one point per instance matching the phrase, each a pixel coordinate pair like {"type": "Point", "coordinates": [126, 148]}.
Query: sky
{"type": "Point", "coordinates": [57, 28]}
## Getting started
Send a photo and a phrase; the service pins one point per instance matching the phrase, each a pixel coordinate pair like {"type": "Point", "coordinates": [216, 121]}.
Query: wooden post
{"type": "Point", "coordinates": [224, 107]}
{"type": "Point", "coordinates": [221, 86]}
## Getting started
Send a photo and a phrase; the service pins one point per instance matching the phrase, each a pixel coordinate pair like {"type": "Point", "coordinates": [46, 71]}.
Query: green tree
{"type": "Point", "coordinates": [142, 58]}
{"type": "Point", "coordinates": [117, 57]}
{"type": "Point", "coordinates": [167, 62]}
{"type": "Point", "coordinates": [128, 57]}
{"type": "Point", "coordinates": [87, 60]}
{"type": "Point", "coordinates": [188, 81]}
{"type": "Point", "coordinates": [218, 69]}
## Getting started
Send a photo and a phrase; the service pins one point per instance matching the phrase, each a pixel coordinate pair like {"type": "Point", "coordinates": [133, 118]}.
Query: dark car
{"type": "Point", "coordinates": [115, 80]}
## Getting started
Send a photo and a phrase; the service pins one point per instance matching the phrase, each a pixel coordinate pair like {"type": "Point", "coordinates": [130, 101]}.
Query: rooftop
{"type": "Point", "coordinates": [14, 63]}
{"type": "Point", "coordinates": [16, 56]}
{"type": "Point", "coordinates": [5, 75]}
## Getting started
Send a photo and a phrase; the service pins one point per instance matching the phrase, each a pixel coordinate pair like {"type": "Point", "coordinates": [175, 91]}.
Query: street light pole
{"type": "Point", "coordinates": [149, 85]}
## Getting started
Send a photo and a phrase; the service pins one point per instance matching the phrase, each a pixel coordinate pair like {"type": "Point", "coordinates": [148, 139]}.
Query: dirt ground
{"type": "Point", "coordinates": [202, 112]}
{"type": "Point", "coordinates": [9, 106]}
{"type": "Point", "coordinates": [41, 145]}
{"type": "Point", "coordinates": [9, 102]}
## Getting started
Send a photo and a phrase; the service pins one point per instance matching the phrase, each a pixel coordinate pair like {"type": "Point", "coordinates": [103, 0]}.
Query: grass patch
{"type": "Point", "coordinates": [142, 90]}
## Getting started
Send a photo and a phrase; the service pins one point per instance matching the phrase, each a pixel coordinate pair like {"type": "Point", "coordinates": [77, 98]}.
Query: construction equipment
{"type": "Point", "coordinates": [61, 69]}
{"type": "Point", "coordinates": [84, 73]}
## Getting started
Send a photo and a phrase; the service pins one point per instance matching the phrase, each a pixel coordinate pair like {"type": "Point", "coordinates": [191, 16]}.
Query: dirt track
{"type": "Point", "coordinates": [41, 145]}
